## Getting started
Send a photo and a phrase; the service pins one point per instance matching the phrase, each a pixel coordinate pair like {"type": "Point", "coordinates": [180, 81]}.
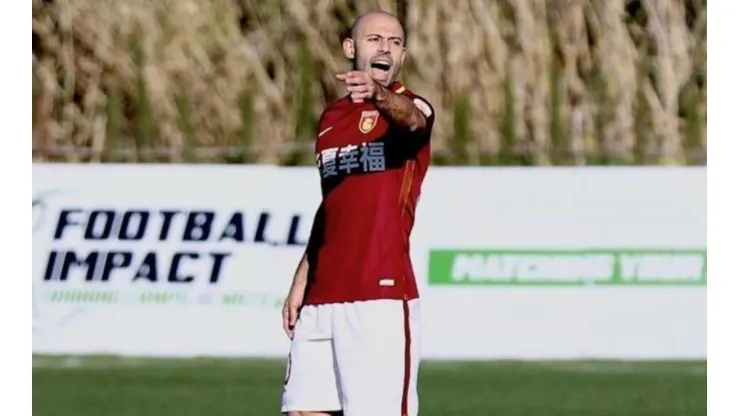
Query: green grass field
{"type": "Point", "coordinates": [105, 386]}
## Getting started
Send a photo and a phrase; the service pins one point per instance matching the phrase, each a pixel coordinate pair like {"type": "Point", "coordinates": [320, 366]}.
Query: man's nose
{"type": "Point", "coordinates": [384, 45]}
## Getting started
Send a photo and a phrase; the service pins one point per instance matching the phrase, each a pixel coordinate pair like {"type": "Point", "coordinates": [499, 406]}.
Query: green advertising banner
{"type": "Point", "coordinates": [670, 267]}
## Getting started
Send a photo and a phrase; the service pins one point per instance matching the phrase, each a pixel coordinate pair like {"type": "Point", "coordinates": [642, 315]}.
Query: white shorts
{"type": "Point", "coordinates": [359, 357]}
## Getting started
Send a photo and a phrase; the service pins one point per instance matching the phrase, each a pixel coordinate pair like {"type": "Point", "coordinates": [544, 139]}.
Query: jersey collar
{"type": "Point", "coordinates": [397, 87]}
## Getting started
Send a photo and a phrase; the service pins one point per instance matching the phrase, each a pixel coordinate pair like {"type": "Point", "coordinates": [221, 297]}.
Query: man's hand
{"type": "Point", "coordinates": [360, 85]}
{"type": "Point", "coordinates": [292, 304]}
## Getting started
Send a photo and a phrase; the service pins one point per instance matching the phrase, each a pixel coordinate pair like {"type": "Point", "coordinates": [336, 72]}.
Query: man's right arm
{"type": "Point", "coordinates": [301, 273]}
{"type": "Point", "coordinates": [312, 247]}
{"type": "Point", "coordinates": [297, 290]}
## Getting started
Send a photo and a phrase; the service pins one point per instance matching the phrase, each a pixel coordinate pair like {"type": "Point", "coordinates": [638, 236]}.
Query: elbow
{"type": "Point", "coordinates": [419, 124]}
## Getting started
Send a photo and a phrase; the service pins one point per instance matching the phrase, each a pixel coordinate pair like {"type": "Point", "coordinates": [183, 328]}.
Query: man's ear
{"type": "Point", "coordinates": [348, 47]}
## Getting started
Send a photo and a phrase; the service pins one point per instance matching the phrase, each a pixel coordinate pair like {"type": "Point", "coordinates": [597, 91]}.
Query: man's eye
{"type": "Point", "coordinates": [373, 39]}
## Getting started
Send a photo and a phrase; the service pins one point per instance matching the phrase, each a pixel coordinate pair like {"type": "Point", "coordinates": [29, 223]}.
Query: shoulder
{"type": "Point", "coordinates": [333, 111]}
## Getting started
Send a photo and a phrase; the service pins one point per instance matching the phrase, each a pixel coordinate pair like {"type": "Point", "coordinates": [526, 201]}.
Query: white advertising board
{"type": "Point", "coordinates": [563, 263]}
{"type": "Point", "coordinates": [174, 260]}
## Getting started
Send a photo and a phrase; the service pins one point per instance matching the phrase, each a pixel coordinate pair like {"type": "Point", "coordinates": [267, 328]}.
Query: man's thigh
{"type": "Point", "coordinates": [376, 347]}
{"type": "Point", "coordinates": [310, 376]}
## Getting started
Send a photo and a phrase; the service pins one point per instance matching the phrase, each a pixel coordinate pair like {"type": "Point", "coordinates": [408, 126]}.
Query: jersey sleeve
{"type": "Point", "coordinates": [426, 108]}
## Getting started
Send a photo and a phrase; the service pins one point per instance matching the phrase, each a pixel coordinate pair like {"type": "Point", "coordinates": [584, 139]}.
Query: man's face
{"type": "Point", "coordinates": [378, 47]}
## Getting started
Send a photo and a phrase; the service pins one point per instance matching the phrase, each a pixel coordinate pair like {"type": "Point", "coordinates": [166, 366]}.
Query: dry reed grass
{"type": "Point", "coordinates": [514, 81]}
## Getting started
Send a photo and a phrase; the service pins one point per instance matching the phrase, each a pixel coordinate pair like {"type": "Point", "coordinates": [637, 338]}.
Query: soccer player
{"type": "Point", "coordinates": [355, 343]}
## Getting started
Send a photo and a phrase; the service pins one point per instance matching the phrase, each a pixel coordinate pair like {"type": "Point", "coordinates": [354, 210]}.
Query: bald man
{"type": "Point", "coordinates": [355, 342]}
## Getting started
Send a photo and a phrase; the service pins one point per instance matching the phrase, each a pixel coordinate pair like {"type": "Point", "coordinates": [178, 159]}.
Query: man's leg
{"type": "Point", "coordinates": [376, 345]}
{"type": "Point", "coordinates": [310, 387]}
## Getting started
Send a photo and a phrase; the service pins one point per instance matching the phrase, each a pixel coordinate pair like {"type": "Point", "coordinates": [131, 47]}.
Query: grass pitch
{"type": "Point", "coordinates": [107, 386]}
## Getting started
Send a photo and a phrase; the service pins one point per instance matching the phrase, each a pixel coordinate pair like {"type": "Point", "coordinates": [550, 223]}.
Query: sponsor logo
{"type": "Point", "coordinates": [568, 267]}
{"type": "Point", "coordinates": [352, 159]}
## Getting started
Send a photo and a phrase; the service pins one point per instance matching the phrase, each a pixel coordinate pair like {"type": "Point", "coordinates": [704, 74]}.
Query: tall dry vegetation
{"type": "Point", "coordinates": [513, 81]}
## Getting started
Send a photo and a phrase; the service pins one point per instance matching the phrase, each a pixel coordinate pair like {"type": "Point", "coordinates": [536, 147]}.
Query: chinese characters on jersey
{"type": "Point", "coordinates": [368, 157]}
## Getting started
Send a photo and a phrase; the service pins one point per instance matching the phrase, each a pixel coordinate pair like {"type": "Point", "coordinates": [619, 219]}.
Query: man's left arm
{"type": "Point", "coordinates": [415, 115]}
{"type": "Point", "coordinates": [400, 109]}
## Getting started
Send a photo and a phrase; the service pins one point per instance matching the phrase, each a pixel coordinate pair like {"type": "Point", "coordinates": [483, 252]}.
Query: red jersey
{"type": "Point", "coordinates": [371, 173]}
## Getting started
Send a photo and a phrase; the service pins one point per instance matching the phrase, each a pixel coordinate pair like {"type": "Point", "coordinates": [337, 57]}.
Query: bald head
{"type": "Point", "coordinates": [377, 44]}
{"type": "Point", "coordinates": [374, 17]}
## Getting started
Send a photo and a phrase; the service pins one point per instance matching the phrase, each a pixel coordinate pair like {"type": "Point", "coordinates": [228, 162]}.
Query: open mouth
{"type": "Point", "coordinates": [383, 66]}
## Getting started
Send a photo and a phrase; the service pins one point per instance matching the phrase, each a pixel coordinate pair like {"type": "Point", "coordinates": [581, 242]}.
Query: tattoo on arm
{"type": "Point", "coordinates": [400, 109]}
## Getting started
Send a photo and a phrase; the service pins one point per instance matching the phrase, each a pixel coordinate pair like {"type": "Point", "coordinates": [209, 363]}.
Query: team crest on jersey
{"type": "Point", "coordinates": [368, 120]}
